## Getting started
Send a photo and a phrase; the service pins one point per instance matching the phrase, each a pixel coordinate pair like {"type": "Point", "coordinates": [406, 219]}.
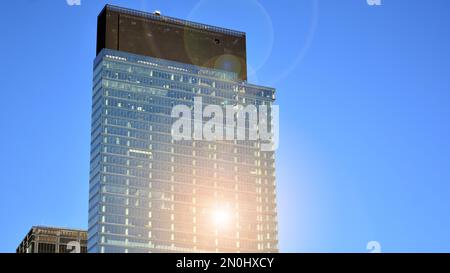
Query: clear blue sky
{"type": "Point", "coordinates": [364, 95]}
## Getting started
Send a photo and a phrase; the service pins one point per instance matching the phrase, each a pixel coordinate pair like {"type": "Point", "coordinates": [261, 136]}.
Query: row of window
{"type": "Point", "coordinates": [117, 68]}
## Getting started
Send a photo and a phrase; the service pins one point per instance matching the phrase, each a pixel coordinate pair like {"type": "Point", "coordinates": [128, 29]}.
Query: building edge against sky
{"type": "Point", "coordinates": [149, 193]}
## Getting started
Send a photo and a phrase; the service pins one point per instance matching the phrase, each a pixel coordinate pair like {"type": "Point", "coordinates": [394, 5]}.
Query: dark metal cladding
{"type": "Point", "coordinates": [154, 35]}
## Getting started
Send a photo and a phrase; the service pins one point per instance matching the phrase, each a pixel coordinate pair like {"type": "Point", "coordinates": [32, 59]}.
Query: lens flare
{"type": "Point", "coordinates": [221, 217]}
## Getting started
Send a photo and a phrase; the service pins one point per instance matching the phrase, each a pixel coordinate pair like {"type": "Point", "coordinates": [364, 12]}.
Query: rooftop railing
{"type": "Point", "coordinates": [172, 20]}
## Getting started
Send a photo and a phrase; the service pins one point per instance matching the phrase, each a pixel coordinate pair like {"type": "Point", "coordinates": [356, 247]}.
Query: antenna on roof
{"type": "Point", "coordinates": [157, 13]}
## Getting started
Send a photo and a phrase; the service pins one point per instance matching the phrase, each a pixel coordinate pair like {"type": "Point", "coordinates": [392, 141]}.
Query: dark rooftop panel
{"type": "Point", "coordinates": [172, 39]}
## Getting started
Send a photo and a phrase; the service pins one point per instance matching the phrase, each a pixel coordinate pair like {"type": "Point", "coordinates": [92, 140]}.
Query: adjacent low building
{"type": "Point", "coordinates": [53, 240]}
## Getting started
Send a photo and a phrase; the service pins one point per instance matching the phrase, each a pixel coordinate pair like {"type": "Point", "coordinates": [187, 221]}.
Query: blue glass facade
{"type": "Point", "coordinates": [149, 193]}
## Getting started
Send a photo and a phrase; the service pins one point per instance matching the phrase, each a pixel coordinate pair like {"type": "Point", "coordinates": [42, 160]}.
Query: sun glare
{"type": "Point", "coordinates": [221, 217]}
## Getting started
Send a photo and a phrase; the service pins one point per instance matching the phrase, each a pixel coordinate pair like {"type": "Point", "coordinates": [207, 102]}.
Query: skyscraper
{"type": "Point", "coordinates": [148, 191]}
